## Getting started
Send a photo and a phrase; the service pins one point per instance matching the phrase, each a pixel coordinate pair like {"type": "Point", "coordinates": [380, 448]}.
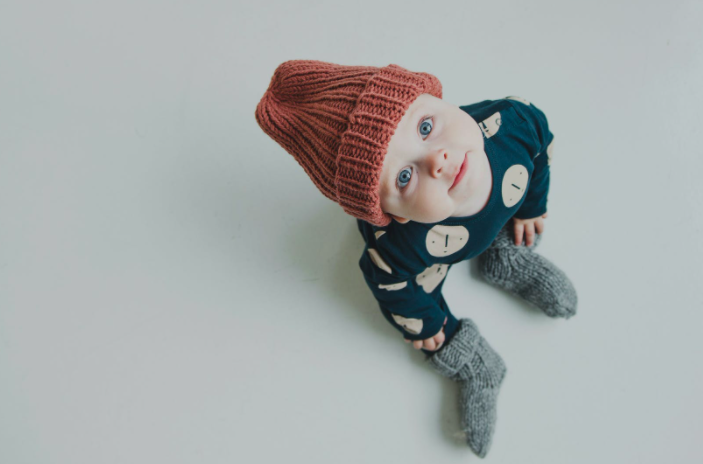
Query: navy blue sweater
{"type": "Point", "coordinates": [405, 264]}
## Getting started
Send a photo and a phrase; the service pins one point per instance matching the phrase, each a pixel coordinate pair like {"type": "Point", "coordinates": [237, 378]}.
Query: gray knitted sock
{"type": "Point", "coordinates": [469, 360]}
{"type": "Point", "coordinates": [521, 271]}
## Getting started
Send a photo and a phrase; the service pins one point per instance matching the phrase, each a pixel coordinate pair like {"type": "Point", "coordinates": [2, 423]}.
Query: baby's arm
{"type": "Point", "coordinates": [530, 217]}
{"type": "Point", "coordinates": [404, 302]}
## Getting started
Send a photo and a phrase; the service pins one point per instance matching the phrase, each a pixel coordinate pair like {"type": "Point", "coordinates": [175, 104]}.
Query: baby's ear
{"type": "Point", "coordinates": [399, 219]}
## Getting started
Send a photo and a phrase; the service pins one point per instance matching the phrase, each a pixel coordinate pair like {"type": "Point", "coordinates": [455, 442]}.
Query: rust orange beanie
{"type": "Point", "coordinates": [337, 121]}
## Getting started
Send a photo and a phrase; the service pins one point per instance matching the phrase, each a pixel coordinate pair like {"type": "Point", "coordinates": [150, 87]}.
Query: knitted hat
{"type": "Point", "coordinates": [337, 121]}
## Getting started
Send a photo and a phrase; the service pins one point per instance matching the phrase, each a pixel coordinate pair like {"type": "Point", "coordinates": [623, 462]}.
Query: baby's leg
{"type": "Point", "coordinates": [521, 271]}
{"type": "Point", "coordinates": [469, 360]}
{"type": "Point", "coordinates": [466, 357]}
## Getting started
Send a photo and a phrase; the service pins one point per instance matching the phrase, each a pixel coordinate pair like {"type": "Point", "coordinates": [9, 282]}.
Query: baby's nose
{"type": "Point", "coordinates": [437, 162]}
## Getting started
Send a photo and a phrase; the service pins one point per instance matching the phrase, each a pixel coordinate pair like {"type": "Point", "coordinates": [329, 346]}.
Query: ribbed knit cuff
{"type": "Point", "coordinates": [364, 144]}
{"type": "Point", "coordinates": [459, 351]}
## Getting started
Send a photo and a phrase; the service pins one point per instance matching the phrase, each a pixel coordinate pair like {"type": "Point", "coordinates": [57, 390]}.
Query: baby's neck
{"type": "Point", "coordinates": [481, 188]}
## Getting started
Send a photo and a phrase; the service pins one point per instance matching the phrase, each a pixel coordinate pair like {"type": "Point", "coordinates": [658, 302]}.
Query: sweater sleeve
{"type": "Point", "coordinates": [535, 203]}
{"type": "Point", "coordinates": [406, 294]}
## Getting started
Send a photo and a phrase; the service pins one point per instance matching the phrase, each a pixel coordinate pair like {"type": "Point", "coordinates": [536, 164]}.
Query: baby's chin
{"type": "Point", "coordinates": [429, 218]}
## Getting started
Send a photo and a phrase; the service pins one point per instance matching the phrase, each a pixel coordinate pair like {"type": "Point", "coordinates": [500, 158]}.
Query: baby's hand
{"type": "Point", "coordinates": [528, 227]}
{"type": "Point", "coordinates": [432, 343]}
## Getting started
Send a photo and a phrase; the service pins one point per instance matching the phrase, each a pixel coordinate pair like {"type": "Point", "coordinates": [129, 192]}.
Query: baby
{"type": "Point", "coordinates": [430, 184]}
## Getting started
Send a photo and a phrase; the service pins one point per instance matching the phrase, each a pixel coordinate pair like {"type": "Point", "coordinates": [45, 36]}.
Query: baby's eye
{"type": "Point", "coordinates": [425, 127]}
{"type": "Point", "coordinates": [404, 177]}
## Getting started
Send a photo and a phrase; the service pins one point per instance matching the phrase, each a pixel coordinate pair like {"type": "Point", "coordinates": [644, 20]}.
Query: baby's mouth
{"type": "Point", "coordinates": [462, 171]}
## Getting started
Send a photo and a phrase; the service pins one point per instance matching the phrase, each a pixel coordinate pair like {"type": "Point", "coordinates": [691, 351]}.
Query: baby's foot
{"type": "Point", "coordinates": [469, 360]}
{"type": "Point", "coordinates": [521, 271]}
{"type": "Point", "coordinates": [479, 394]}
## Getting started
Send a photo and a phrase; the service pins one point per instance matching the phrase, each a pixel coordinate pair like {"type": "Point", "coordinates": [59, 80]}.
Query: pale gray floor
{"type": "Point", "coordinates": [174, 289]}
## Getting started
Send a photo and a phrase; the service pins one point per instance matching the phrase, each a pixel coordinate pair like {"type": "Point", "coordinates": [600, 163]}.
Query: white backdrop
{"type": "Point", "coordinates": [173, 288]}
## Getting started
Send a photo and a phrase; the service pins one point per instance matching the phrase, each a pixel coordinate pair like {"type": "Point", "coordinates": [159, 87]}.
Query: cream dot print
{"type": "Point", "coordinates": [393, 287]}
{"type": "Point", "coordinates": [514, 184]}
{"type": "Point", "coordinates": [378, 261]}
{"type": "Point", "coordinates": [443, 241]}
{"type": "Point", "coordinates": [432, 276]}
{"type": "Point", "coordinates": [491, 125]}
{"type": "Point", "coordinates": [414, 326]}
{"type": "Point", "coordinates": [520, 99]}
{"type": "Point", "coordinates": [550, 150]}
{"type": "Point", "coordinates": [378, 233]}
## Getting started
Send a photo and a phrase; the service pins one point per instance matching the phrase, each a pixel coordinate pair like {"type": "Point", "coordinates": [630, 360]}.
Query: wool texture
{"type": "Point", "coordinates": [337, 120]}
{"type": "Point", "coordinates": [530, 276]}
{"type": "Point", "coordinates": [469, 360]}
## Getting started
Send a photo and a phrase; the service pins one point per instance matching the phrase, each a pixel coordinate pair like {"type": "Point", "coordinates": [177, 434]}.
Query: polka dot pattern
{"type": "Point", "coordinates": [378, 261]}
{"type": "Point", "coordinates": [443, 241]}
{"type": "Point", "coordinates": [413, 326]}
{"type": "Point", "coordinates": [491, 126]}
{"type": "Point", "coordinates": [514, 184]}
{"type": "Point", "coordinates": [393, 287]}
{"type": "Point", "coordinates": [520, 99]}
{"type": "Point", "coordinates": [432, 276]}
{"type": "Point", "coordinates": [550, 150]}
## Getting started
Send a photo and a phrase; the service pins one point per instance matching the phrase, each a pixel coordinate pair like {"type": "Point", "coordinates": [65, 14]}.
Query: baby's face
{"type": "Point", "coordinates": [427, 173]}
